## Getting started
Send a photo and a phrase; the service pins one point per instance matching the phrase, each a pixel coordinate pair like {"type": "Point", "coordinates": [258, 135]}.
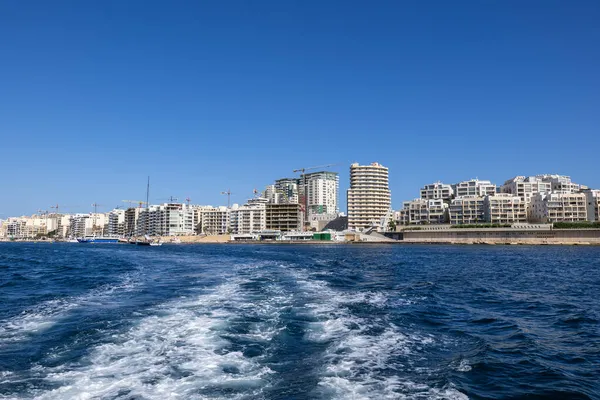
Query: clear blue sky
{"type": "Point", "coordinates": [205, 96]}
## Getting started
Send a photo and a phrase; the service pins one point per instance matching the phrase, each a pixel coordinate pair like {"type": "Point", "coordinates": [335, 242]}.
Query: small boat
{"type": "Point", "coordinates": [148, 242]}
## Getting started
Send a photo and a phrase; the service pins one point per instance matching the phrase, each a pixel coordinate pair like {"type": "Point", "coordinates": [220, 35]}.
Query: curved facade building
{"type": "Point", "coordinates": [369, 196]}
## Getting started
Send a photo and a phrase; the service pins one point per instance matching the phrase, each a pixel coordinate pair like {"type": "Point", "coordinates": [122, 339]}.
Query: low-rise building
{"type": "Point", "coordinates": [436, 191]}
{"type": "Point", "coordinates": [558, 207]}
{"type": "Point", "coordinates": [505, 208]}
{"type": "Point", "coordinates": [423, 211]}
{"type": "Point", "coordinates": [467, 210]}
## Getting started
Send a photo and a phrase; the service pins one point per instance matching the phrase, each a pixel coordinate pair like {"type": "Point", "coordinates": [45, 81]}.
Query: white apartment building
{"type": "Point", "coordinates": [437, 190]}
{"type": "Point", "coordinates": [168, 219]}
{"type": "Point", "coordinates": [561, 183]}
{"type": "Point", "coordinates": [321, 189]}
{"type": "Point", "coordinates": [423, 211]}
{"type": "Point", "coordinates": [504, 208]}
{"type": "Point", "coordinates": [213, 220]}
{"type": "Point", "coordinates": [78, 225]}
{"type": "Point", "coordinates": [248, 218]}
{"type": "Point", "coordinates": [592, 198]}
{"type": "Point", "coordinates": [369, 196]}
{"type": "Point", "coordinates": [467, 210]}
{"type": "Point", "coordinates": [525, 187]}
{"type": "Point", "coordinates": [558, 207]}
{"type": "Point", "coordinates": [474, 187]}
{"type": "Point", "coordinates": [116, 222]}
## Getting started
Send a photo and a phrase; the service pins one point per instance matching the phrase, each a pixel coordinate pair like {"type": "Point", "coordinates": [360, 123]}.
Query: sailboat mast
{"type": "Point", "coordinates": [147, 206]}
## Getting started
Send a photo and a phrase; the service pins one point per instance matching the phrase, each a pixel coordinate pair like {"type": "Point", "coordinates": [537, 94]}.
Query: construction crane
{"type": "Point", "coordinates": [303, 183]}
{"type": "Point", "coordinates": [139, 202]}
{"type": "Point", "coordinates": [228, 193]}
{"type": "Point", "coordinates": [56, 207]}
{"type": "Point", "coordinates": [171, 199]}
{"type": "Point", "coordinates": [96, 205]}
{"type": "Point", "coordinates": [302, 170]}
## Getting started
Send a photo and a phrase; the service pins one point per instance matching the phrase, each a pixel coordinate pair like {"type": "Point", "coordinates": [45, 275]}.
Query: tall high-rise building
{"type": "Point", "coordinates": [321, 189]}
{"type": "Point", "coordinates": [369, 196]}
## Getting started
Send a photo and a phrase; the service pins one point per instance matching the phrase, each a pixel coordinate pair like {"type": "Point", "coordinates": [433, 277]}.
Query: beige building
{"type": "Point", "coordinates": [474, 187]}
{"type": "Point", "coordinates": [422, 211]}
{"type": "Point", "coordinates": [558, 207]}
{"type": "Point", "coordinates": [284, 217]}
{"type": "Point", "coordinates": [467, 210]}
{"type": "Point", "coordinates": [369, 196]}
{"type": "Point", "coordinates": [437, 190]}
{"type": "Point", "coordinates": [248, 218]}
{"type": "Point", "coordinates": [504, 208]}
{"type": "Point", "coordinates": [212, 220]}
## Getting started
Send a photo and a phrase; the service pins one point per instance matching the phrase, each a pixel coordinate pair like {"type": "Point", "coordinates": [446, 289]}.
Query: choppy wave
{"type": "Point", "coordinates": [40, 317]}
{"type": "Point", "coordinates": [361, 360]}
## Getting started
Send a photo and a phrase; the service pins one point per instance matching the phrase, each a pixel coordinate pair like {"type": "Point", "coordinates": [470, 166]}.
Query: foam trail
{"type": "Point", "coordinates": [185, 350]}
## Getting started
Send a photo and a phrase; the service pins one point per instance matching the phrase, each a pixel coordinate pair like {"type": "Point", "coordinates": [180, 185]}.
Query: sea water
{"type": "Point", "coordinates": [93, 321]}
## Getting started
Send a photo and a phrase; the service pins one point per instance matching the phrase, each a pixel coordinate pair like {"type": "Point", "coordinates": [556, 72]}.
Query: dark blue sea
{"type": "Point", "coordinates": [85, 321]}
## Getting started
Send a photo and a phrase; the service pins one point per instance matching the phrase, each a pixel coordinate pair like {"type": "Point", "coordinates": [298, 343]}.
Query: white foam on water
{"type": "Point", "coordinates": [183, 351]}
{"type": "Point", "coordinates": [43, 316]}
{"type": "Point", "coordinates": [361, 360]}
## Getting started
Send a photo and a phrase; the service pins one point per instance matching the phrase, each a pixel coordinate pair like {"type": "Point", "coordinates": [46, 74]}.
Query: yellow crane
{"type": "Point", "coordinates": [139, 202]}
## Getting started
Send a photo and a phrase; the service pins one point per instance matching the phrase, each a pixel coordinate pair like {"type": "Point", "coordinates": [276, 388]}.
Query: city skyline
{"type": "Point", "coordinates": [259, 191]}
{"type": "Point", "coordinates": [206, 97]}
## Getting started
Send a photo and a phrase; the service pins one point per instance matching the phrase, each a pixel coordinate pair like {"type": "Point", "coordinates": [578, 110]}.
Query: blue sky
{"type": "Point", "coordinates": [204, 96]}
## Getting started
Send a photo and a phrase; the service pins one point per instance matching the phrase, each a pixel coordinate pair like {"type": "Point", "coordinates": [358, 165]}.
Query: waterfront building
{"type": "Point", "coordinates": [212, 220]}
{"type": "Point", "coordinates": [321, 191]}
{"type": "Point", "coordinates": [423, 211]}
{"type": "Point", "coordinates": [504, 208]}
{"type": "Point", "coordinates": [558, 207]}
{"type": "Point", "coordinates": [525, 187]}
{"type": "Point", "coordinates": [116, 222]}
{"type": "Point", "coordinates": [474, 187]}
{"type": "Point", "coordinates": [248, 218]}
{"type": "Point", "coordinates": [369, 196]}
{"type": "Point", "coordinates": [592, 198]}
{"type": "Point", "coordinates": [131, 220]}
{"type": "Point", "coordinates": [436, 191]}
{"type": "Point", "coordinates": [467, 210]}
{"type": "Point", "coordinates": [78, 224]}
{"type": "Point", "coordinates": [283, 217]}
{"type": "Point", "coordinates": [14, 228]}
